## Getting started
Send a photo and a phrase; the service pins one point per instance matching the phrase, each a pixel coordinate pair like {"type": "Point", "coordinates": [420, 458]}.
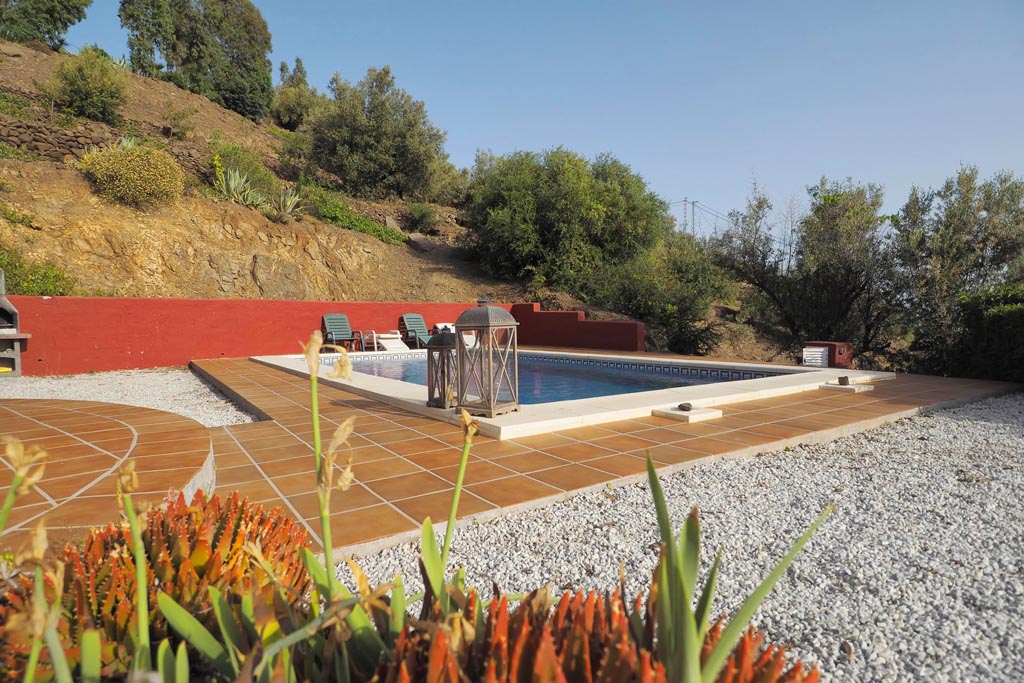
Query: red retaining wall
{"type": "Point", "coordinates": [72, 335]}
{"type": "Point", "coordinates": [570, 329]}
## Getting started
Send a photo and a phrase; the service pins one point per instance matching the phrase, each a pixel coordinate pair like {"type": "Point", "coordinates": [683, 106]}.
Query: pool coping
{"type": "Point", "coordinates": [544, 418]}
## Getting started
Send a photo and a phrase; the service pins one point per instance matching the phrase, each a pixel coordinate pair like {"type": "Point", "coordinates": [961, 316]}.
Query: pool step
{"type": "Point", "coordinates": [692, 415]}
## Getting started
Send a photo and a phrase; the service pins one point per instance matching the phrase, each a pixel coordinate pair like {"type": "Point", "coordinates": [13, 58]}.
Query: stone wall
{"type": "Point", "coordinates": [41, 134]}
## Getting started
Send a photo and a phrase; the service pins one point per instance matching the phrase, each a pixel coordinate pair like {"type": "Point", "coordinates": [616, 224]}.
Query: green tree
{"type": "Point", "coordinates": [293, 98]}
{"type": "Point", "coordinates": [840, 282]}
{"type": "Point", "coordinates": [150, 25]}
{"type": "Point", "coordinates": [964, 236]}
{"type": "Point", "coordinates": [44, 20]}
{"type": "Point", "coordinates": [376, 138]}
{"type": "Point", "coordinates": [217, 48]}
{"type": "Point", "coordinates": [560, 217]}
{"type": "Point", "coordinates": [671, 288]}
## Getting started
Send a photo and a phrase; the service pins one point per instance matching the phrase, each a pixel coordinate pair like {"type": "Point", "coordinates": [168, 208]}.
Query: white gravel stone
{"type": "Point", "coordinates": [175, 390]}
{"type": "Point", "coordinates": [917, 575]}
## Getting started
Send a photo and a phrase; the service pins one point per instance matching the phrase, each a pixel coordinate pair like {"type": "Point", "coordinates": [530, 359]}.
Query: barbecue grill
{"type": "Point", "coordinates": [11, 338]}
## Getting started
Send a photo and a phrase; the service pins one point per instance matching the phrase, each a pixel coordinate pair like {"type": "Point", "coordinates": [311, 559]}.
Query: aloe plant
{"type": "Point", "coordinates": [680, 628]}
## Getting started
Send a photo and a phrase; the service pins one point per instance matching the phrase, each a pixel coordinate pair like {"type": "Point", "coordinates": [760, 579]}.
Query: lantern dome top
{"type": "Point", "coordinates": [445, 339]}
{"type": "Point", "coordinates": [485, 316]}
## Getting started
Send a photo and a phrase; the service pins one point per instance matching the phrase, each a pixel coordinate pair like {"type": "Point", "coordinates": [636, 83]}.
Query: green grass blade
{"type": "Point", "coordinates": [432, 561]}
{"type": "Point", "coordinates": [689, 654]}
{"type": "Point", "coordinates": [739, 622]}
{"type": "Point", "coordinates": [666, 640]}
{"type": "Point", "coordinates": [189, 628]}
{"type": "Point", "coordinates": [61, 670]}
{"type": "Point", "coordinates": [165, 661]}
{"type": "Point", "coordinates": [249, 617]}
{"type": "Point", "coordinates": [707, 597]}
{"type": "Point", "coordinates": [689, 548]}
{"type": "Point", "coordinates": [397, 608]}
{"type": "Point", "coordinates": [181, 670]}
{"type": "Point", "coordinates": [91, 660]}
{"type": "Point", "coordinates": [295, 637]}
{"type": "Point", "coordinates": [316, 572]}
{"type": "Point", "coordinates": [231, 634]}
{"type": "Point", "coordinates": [664, 523]}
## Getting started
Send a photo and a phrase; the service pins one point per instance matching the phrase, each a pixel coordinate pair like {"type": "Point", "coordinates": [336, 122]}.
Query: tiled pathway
{"type": "Point", "coordinates": [87, 443]}
{"type": "Point", "coordinates": [406, 465]}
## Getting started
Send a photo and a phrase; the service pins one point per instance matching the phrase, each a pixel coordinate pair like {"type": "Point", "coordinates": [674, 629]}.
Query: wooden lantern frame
{"type": "Point", "coordinates": [442, 370]}
{"type": "Point", "coordinates": [488, 361]}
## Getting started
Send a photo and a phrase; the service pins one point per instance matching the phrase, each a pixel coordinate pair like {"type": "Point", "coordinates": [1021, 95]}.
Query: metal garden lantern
{"type": "Point", "coordinates": [442, 369]}
{"type": "Point", "coordinates": [488, 360]}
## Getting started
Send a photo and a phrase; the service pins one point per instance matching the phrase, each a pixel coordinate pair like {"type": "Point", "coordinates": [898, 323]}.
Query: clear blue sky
{"type": "Point", "coordinates": [699, 98]}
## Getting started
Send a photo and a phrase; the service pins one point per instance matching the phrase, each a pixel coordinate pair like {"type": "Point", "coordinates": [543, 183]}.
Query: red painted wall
{"type": "Point", "coordinates": [72, 335]}
{"type": "Point", "coordinates": [570, 329]}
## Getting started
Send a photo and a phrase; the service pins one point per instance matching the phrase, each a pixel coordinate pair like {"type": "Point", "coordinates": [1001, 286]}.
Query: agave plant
{"type": "Point", "coordinates": [237, 188]}
{"type": "Point", "coordinates": [286, 203]}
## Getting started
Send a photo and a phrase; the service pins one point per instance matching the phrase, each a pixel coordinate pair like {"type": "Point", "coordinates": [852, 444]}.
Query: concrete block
{"type": "Point", "coordinates": [695, 415]}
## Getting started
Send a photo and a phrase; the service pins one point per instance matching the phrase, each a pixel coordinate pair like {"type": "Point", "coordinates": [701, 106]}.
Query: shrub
{"type": "Point", "coordinates": [136, 176]}
{"type": "Point", "coordinates": [332, 210]}
{"type": "Point", "coordinates": [35, 279]}
{"type": "Point", "coordinates": [9, 152]}
{"type": "Point", "coordinates": [12, 215]}
{"type": "Point", "coordinates": [90, 85]}
{"type": "Point", "coordinates": [562, 216]}
{"type": "Point", "coordinates": [178, 123]}
{"type": "Point", "coordinates": [11, 105]}
{"type": "Point", "coordinates": [423, 218]}
{"type": "Point", "coordinates": [992, 323]}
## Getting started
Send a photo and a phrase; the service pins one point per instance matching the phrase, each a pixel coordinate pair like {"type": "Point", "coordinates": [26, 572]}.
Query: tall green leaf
{"type": "Point", "coordinates": [731, 634]}
{"type": "Point", "coordinates": [189, 628]}
{"type": "Point", "coordinates": [432, 560]}
{"type": "Point", "coordinates": [91, 660]}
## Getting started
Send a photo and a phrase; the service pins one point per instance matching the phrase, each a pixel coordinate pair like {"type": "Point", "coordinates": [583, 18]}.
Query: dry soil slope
{"type": "Point", "coordinates": [201, 248]}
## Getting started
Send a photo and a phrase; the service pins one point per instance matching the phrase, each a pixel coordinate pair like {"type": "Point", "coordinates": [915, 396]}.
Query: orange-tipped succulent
{"type": "Point", "coordinates": [190, 547]}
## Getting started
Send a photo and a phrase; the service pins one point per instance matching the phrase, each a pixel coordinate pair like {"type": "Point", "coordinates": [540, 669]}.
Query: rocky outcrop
{"type": "Point", "coordinates": [204, 249]}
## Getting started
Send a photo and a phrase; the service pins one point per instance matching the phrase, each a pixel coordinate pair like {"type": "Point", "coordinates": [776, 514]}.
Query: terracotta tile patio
{"type": "Point", "coordinates": [405, 465]}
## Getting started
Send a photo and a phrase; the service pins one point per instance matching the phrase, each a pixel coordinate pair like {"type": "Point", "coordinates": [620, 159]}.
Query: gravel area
{"type": "Point", "coordinates": [918, 574]}
{"type": "Point", "coordinates": [175, 390]}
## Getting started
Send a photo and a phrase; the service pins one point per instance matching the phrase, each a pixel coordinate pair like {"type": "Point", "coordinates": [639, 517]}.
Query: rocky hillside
{"type": "Point", "coordinates": [198, 247]}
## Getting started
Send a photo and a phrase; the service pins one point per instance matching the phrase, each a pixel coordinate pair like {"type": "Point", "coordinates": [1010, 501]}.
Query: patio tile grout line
{"type": "Point", "coordinates": [109, 471]}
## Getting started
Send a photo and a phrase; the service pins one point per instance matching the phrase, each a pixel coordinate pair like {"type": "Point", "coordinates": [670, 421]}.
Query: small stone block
{"type": "Point", "coordinates": [849, 388]}
{"type": "Point", "coordinates": [692, 415]}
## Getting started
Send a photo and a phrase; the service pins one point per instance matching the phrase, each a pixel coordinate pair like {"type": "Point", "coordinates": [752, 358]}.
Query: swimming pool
{"type": "Point", "coordinates": [547, 378]}
{"type": "Point", "coordinates": [700, 383]}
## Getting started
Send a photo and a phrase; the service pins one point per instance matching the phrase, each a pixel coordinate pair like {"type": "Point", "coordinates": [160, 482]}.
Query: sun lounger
{"type": "Point", "coordinates": [414, 330]}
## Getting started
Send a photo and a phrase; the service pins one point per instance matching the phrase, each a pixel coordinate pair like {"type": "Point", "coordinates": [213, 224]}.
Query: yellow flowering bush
{"type": "Point", "coordinates": [136, 176]}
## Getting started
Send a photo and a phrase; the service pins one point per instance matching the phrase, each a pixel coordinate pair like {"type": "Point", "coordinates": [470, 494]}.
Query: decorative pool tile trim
{"type": "Point", "coordinates": [651, 368]}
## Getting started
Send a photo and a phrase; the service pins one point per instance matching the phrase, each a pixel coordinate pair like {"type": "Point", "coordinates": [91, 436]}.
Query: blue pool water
{"type": "Point", "coordinates": [545, 379]}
